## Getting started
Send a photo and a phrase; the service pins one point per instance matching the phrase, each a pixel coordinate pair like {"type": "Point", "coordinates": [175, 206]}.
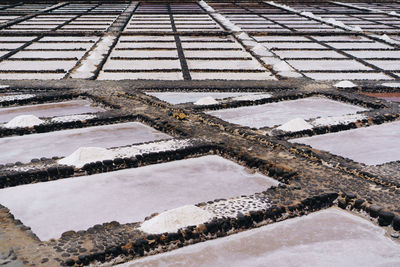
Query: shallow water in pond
{"type": "Point", "coordinates": [62, 143]}
{"type": "Point", "coordinates": [371, 145]}
{"type": "Point", "coordinates": [127, 195]}
{"type": "Point", "coordinates": [49, 109]}
{"type": "Point", "coordinates": [326, 238]}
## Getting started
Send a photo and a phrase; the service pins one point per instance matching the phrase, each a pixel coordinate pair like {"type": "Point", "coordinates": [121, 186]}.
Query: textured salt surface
{"type": "Point", "coordinates": [127, 195]}
{"type": "Point", "coordinates": [62, 143]}
{"type": "Point", "coordinates": [49, 109]}
{"type": "Point", "coordinates": [183, 97]}
{"type": "Point", "coordinates": [208, 100]}
{"type": "Point", "coordinates": [172, 220]}
{"type": "Point", "coordinates": [281, 112]}
{"type": "Point", "coordinates": [372, 145]}
{"type": "Point", "coordinates": [325, 238]}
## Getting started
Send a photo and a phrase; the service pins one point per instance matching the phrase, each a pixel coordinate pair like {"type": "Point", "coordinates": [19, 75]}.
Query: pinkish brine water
{"type": "Point", "coordinates": [127, 195]}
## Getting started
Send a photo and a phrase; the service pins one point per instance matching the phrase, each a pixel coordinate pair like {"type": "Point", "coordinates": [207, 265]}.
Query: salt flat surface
{"type": "Point", "coordinates": [37, 65]}
{"type": "Point", "coordinates": [62, 143]}
{"type": "Point", "coordinates": [386, 64]}
{"type": "Point", "coordinates": [371, 145]}
{"type": "Point", "coordinates": [359, 45]}
{"type": "Point", "coordinates": [60, 46]}
{"type": "Point", "coordinates": [327, 238]}
{"type": "Point", "coordinates": [375, 54]}
{"type": "Point", "coordinates": [144, 53]}
{"type": "Point", "coordinates": [184, 97]}
{"type": "Point", "coordinates": [216, 54]}
{"type": "Point", "coordinates": [49, 109]}
{"type": "Point", "coordinates": [232, 76]}
{"type": "Point", "coordinates": [347, 76]}
{"type": "Point", "coordinates": [143, 64]}
{"type": "Point", "coordinates": [140, 76]}
{"type": "Point", "coordinates": [308, 54]}
{"type": "Point", "coordinates": [289, 45]}
{"type": "Point", "coordinates": [272, 114]}
{"type": "Point", "coordinates": [327, 65]}
{"type": "Point", "coordinates": [127, 195]}
{"type": "Point", "coordinates": [35, 76]}
{"type": "Point", "coordinates": [224, 65]}
{"type": "Point", "coordinates": [49, 54]}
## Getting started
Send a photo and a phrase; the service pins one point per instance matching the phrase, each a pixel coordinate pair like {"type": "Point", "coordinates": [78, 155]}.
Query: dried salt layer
{"type": "Point", "coordinates": [391, 85]}
{"type": "Point", "coordinates": [172, 220]}
{"type": "Point", "coordinates": [128, 195]}
{"type": "Point", "coordinates": [345, 84]}
{"type": "Point", "coordinates": [6, 98]}
{"type": "Point", "coordinates": [208, 100]}
{"type": "Point", "coordinates": [50, 109]}
{"type": "Point", "coordinates": [70, 118]}
{"type": "Point", "coordinates": [271, 114]}
{"type": "Point", "coordinates": [295, 125]}
{"type": "Point", "coordinates": [345, 119]}
{"type": "Point", "coordinates": [183, 97]}
{"type": "Point", "coordinates": [328, 238]}
{"type": "Point", "coordinates": [23, 121]}
{"type": "Point", "coordinates": [371, 145]}
{"type": "Point", "coordinates": [62, 143]}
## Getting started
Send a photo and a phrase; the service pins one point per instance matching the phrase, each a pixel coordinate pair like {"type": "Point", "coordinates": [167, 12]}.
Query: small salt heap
{"type": "Point", "coordinates": [85, 155]}
{"type": "Point", "coordinates": [295, 125]}
{"type": "Point", "coordinates": [206, 101]}
{"type": "Point", "coordinates": [23, 121]}
{"type": "Point", "coordinates": [345, 84]}
{"type": "Point", "coordinates": [172, 220]}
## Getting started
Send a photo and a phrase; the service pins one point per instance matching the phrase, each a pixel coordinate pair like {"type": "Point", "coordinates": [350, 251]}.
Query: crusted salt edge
{"type": "Point", "coordinates": [206, 6]}
{"type": "Point", "coordinates": [208, 100]}
{"type": "Point", "coordinates": [89, 65]}
{"type": "Point", "coordinates": [23, 121]}
{"type": "Point", "coordinates": [233, 206]}
{"type": "Point", "coordinates": [15, 97]}
{"type": "Point", "coordinates": [84, 155]}
{"type": "Point", "coordinates": [251, 97]}
{"type": "Point", "coordinates": [174, 219]}
{"type": "Point", "coordinates": [387, 39]}
{"type": "Point", "coordinates": [345, 84]}
{"type": "Point", "coordinates": [297, 124]}
{"type": "Point", "coordinates": [70, 118]}
{"type": "Point", "coordinates": [335, 120]}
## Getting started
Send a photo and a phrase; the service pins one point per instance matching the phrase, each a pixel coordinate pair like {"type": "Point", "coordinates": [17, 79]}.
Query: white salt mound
{"type": "Point", "coordinates": [295, 125]}
{"type": "Point", "coordinates": [23, 121]}
{"type": "Point", "coordinates": [172, 220]}
{"type": "Point", "coordinates": [85, 155]}
{"type": "Point", "coordinates": [206, 101]}
{"type": "Point", "coordinates": [345, 84]}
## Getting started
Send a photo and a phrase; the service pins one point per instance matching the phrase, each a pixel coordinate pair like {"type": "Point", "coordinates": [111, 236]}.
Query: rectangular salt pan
{"type": "Point", "coordinates": [49, 109]}
{"type": "Point", "coordinates": [371, 145]}
{"type": "Point", "coordinates": [63, 143]}
{"type": "Point", "coordinates": [272, 114]}
{"type": "Point", "coordinates": [324, 238]}
{"type": "Point", "coordinates": [127, 195]}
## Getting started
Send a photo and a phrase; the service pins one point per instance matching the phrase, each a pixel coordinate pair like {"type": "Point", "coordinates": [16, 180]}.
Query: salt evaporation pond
{"type": "Point", "coordinates": [326, 238]}
{"type": "Point", "coordinates": [50, 109]}
{"type": "Point", "coordinates": [62, 143]}
{"type": "Point", "coordinates": [371, 145]}
{"type": "Point", "coordinates": [127, 195]}
{"type": "Point", "coordinates": [272, 114]}
{"type": "Point", "coordinates": [183, 97]}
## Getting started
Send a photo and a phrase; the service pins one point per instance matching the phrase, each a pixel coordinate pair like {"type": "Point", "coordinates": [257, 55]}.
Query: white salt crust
{"type": "Point", "coordinates": [208, 100]}
{"type": "Point", "coordinates": [70, 118]}
{"type": "Point", "coordinates": [172, 220]}
{"type": "Point", "coordinates": [23, 121]}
